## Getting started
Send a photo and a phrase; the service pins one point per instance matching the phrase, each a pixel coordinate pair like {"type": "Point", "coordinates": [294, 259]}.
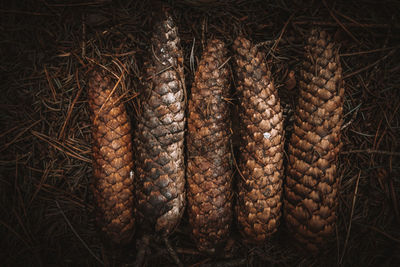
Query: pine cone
{"type": "Point", "coordinates": [261, 152]}
{"type": "Point", "coordinates": [112, 159]}
{"type": "Point", "coordinates": [160, 169]}
{"type": "Point", "coordinates": [209, 171]}
{"type": "Point", "coordinates": [311, 185]}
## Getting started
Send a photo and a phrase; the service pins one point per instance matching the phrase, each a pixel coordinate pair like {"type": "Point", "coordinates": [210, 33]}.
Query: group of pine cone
{"type": "Point", "coordinates": [152, 176]}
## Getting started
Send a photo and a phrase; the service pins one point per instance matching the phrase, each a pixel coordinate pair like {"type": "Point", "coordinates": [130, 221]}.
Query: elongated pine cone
{"type": "Point", "coordinates": [261, 152]}
{"type": "Point", "coordinates": [112, 159]}
{"type": "Point", "coordinates": [159, 142]}
{"type": "Point", "coordinates": [209, 172]}
{"type": "Point", "coordinates": [311, 183]}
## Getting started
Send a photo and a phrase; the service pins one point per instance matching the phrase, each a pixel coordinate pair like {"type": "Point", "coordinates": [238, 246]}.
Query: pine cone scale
{"type": "Point", "coordinates": [209, 172]}
{"type": "Point", "coordinates": [112, 160]}
{"type": "Point", "coordinates": [261, 152]}
{"type": "Point", "coordinates": [311, 189]}
{"type": "Point", "coordinates": [159, 142]}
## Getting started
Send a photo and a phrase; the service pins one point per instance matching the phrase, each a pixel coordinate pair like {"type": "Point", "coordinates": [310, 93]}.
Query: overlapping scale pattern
{"type": "Point", "coordinates": [112, 159]}
{"type": "Point", "coordinates": [159, 142]}
{"type": "Point", "coordinates": [312, 182]}
{"type": "Point", "coordinates": [209, 172]}
{"type": "Point", "coordinates": [261, 153]}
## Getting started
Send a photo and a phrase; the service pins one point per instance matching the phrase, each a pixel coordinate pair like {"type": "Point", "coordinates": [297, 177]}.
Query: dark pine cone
{"type": "Point", "coordinates": [112, 159]}
{"type": "Point", "coordinates": [209, 171]}
{"type": "Point", "coordinates": [311, 183]}
{"type": "Point", "coordinates": [261, 152]}
{"type": "Point", "coordinates": [160, 169]}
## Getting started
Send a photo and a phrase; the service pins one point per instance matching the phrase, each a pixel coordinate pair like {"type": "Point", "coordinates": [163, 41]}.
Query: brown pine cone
{"type": "Point", "coordinates": [311, 183]}
{"type": "Point", "coordinates": [112, 159]}
{"type": "Point", "coordinates": [159, 146]}
{"type": "Point", "coordinates": [209, 172]}
{"type": "Point", "coordinates": [261, 152]}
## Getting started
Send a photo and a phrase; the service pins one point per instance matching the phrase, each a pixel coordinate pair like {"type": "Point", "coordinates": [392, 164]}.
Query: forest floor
{"type": "Point", "coordinates": [47, 48]}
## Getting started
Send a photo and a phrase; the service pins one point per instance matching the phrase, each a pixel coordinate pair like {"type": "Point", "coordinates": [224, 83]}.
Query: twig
{"type": "Point", "coordinates": [172, 252]}
{"type": "Point", "coordinates": [224, 63]}
{"type": "Point", "coordinates": [368, 51]}
{"type": "Point", "coordinates": [19, 135]}
{"type": "Point", "coordinates": [381, 232]}
{"type": "Point", "coordinates": [363, 134]}
{"type": "Point", "coordinates": [11, 230]}
{"type": "Point", "coordinates": [59, 146]}
{"type": "Point", "coordinates": [71, 107]}
{"type": "Point", "coordinates": [52, 89]}
{"type": "Point", "coordinates": [394, 200]}
{"type": "Point", "coordinates": [93, 3]}
{"type": "Point", "coordinates": [275, 45]}
{"type": "Point", "coordinates": [328, 23]}
{"type": "Point", "coordinates": [264, 43]}
{"type": "Point", "coordinates": [341, 24]}
{"type": "Point", "coordinates": [191, 58]}
{"type": "Point", "coordinates": [351, 218]}
{"type": "Point", "coordinates": [348, 18]}
{"type": "Point", "coordinates": [42, 181]}
{"type": "Point", "coordinates": [80, 239]}
{"type": "Point", "coordinates": [83, 35]}
{"type": "Point", "coordinates": [228, 263]}
{"type": "Point", "coordinates": [235, 162]}
{"type": "Point", "coordinates": [369, 66]}
{"type": "Point", "coordinates": [371, 151]}
{"type": "Point", "coordinates": [203, 32]}
{"type": "Point", "coordinates": [155, 56]}
{"type": "Point", "coordinates": [26, 12]}
{"type": "Point", "coordinates": [353, 117]}
{"type": "Point", "coordinates": [9, 130]}
{"type": "Point", "coordinates": [120, 54]}
{"type": "Point", "coordinates": [121, 66]}
{"type": "Point", "coordinates": [163, 70]}
{"type": "Point", "coordinates": [108, 97]}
